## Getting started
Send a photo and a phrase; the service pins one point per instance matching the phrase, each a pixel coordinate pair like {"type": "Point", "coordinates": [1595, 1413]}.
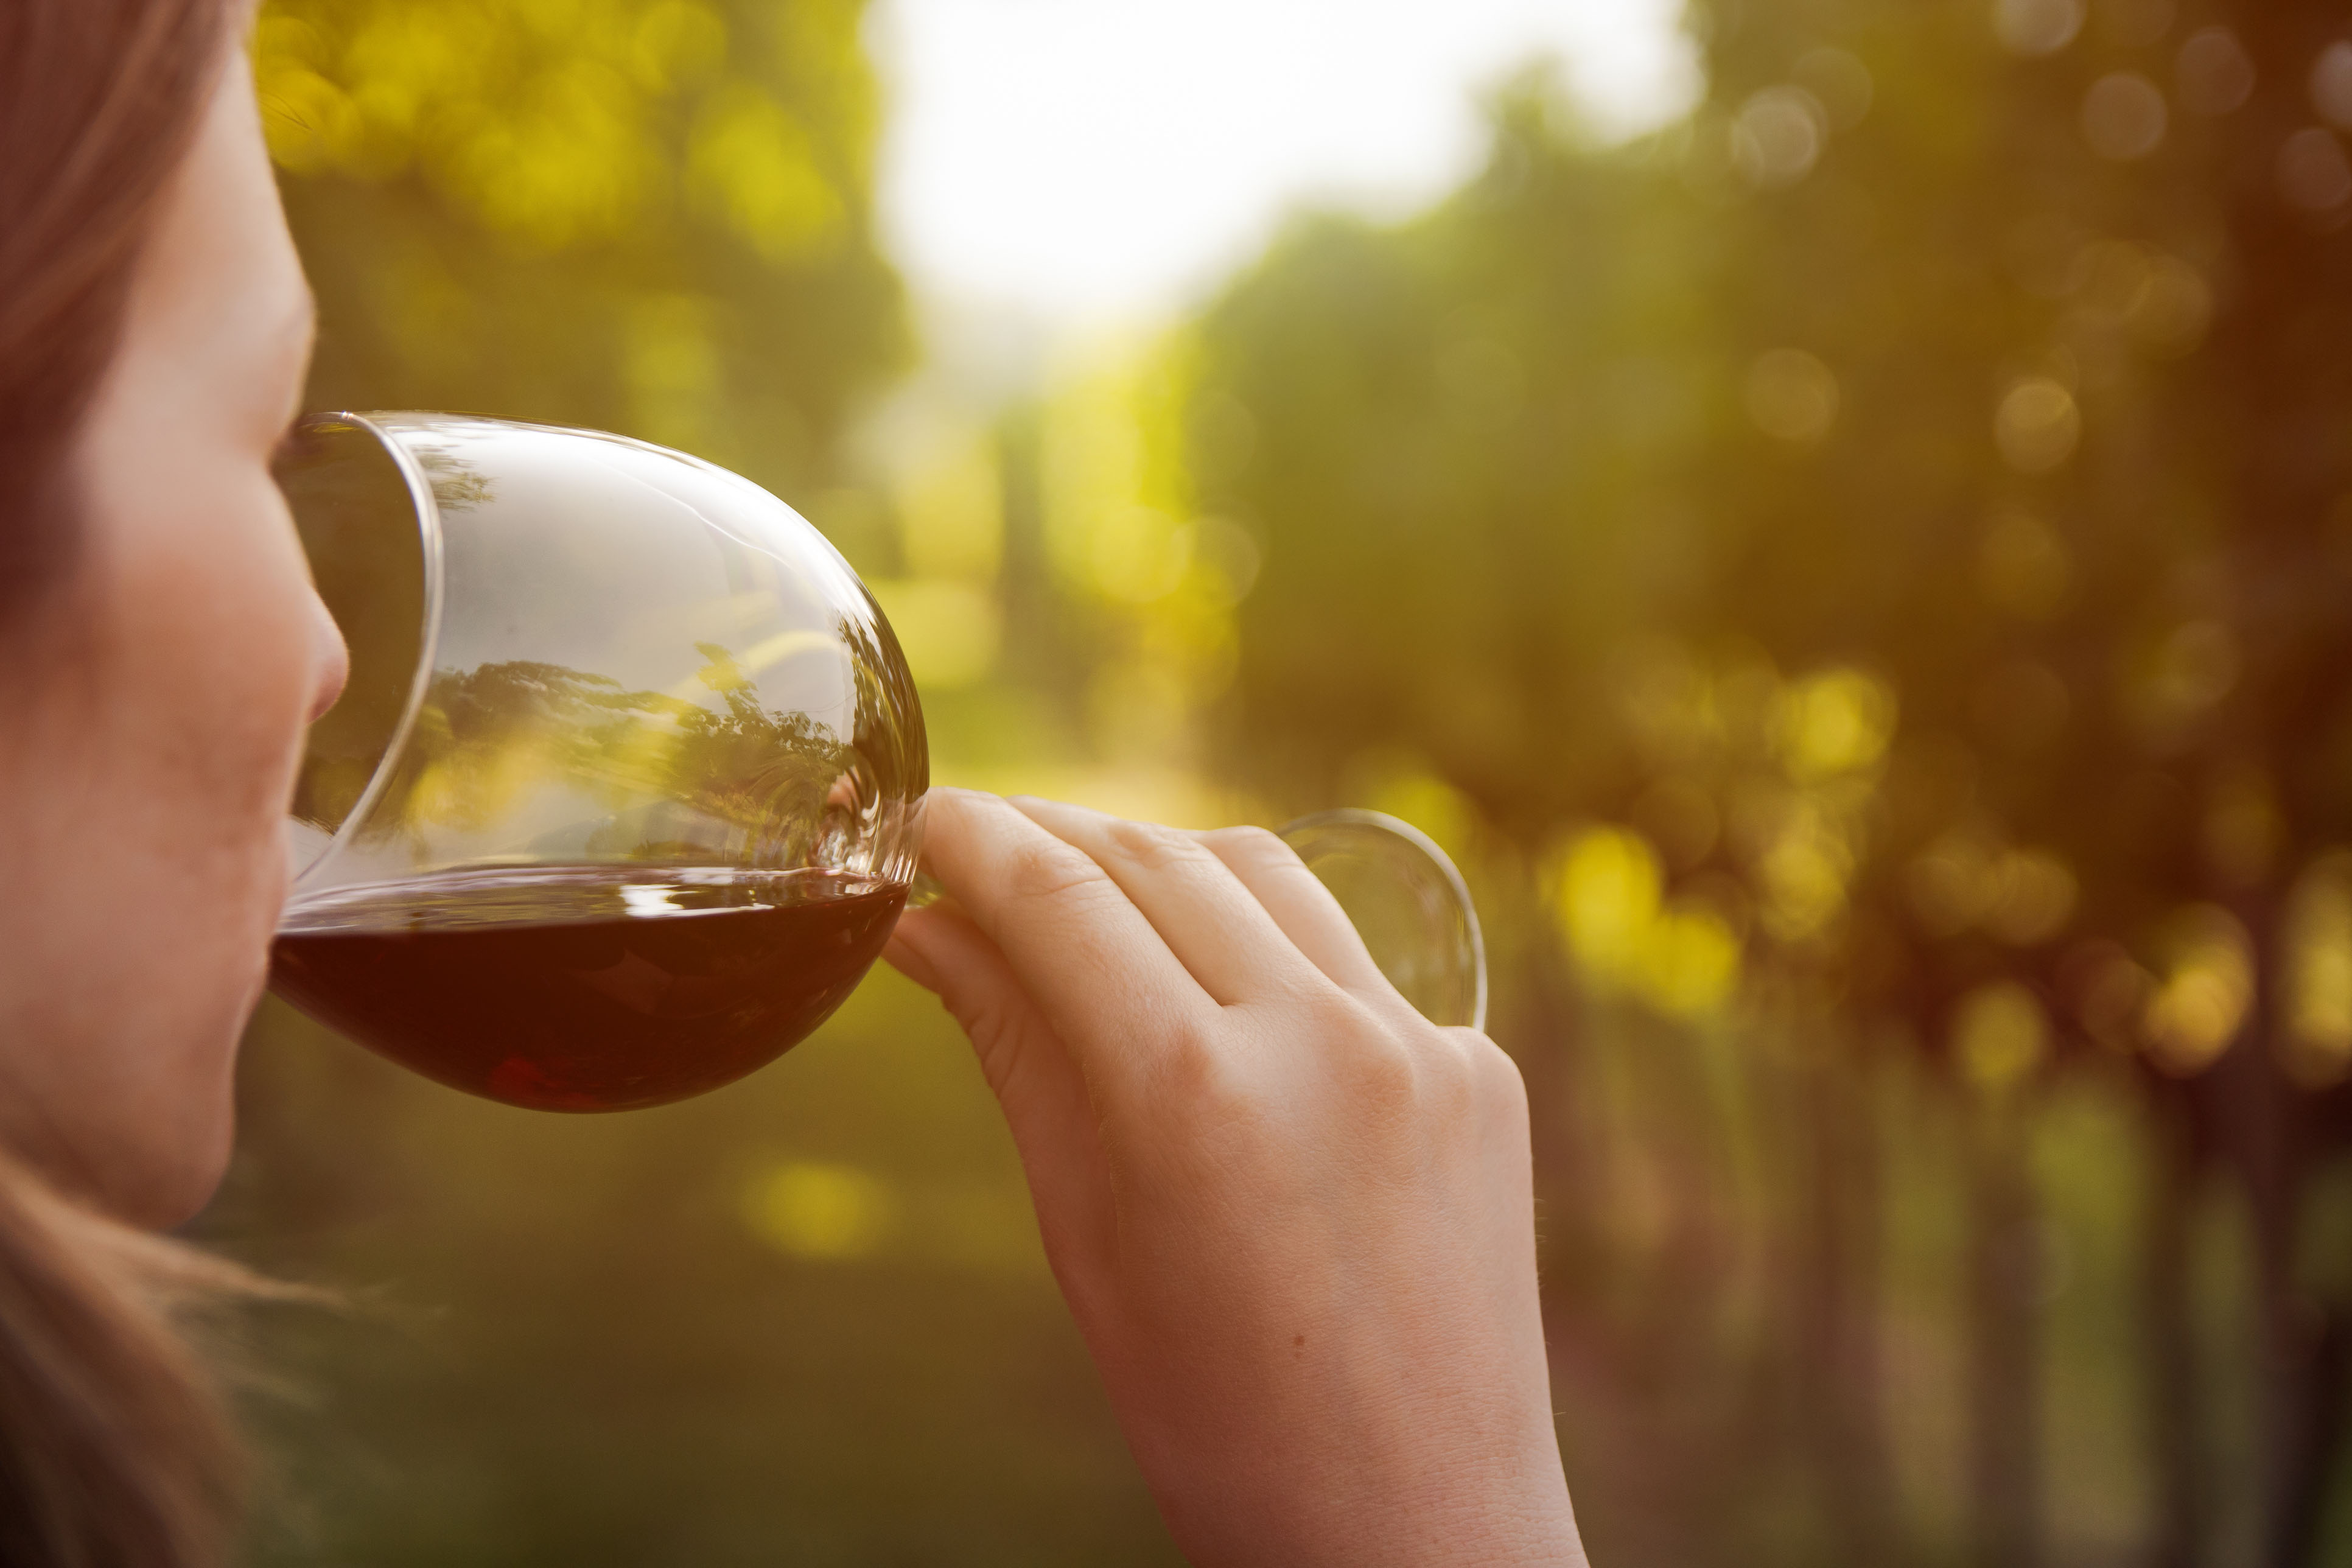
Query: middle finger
{"type": "Point", "coordinates": [1216, 929]}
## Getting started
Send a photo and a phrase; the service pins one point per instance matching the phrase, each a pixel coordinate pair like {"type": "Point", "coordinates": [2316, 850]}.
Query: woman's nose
{"type": "Point", "coordinates": [332, 662]}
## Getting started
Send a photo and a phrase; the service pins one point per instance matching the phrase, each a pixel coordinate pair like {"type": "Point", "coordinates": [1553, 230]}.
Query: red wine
{"type": "Point", "coordinates": [589, 987]}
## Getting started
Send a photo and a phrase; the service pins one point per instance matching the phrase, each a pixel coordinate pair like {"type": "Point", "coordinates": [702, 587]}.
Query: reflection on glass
{"type": "Point", "coordinates": [626, 790]}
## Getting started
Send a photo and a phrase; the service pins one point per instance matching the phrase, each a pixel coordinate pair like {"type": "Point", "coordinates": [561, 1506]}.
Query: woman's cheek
{"type": "Point", "coordinates": [229, 658]}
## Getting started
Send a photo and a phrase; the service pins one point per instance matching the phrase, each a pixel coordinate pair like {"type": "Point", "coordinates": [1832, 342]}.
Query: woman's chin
{"type": "Point", "coordinates": [168, 1184]}
{"type": "Point", "coordinates": [135, 1176]}
{"type": "Point", "coordinates": [174, 1194]}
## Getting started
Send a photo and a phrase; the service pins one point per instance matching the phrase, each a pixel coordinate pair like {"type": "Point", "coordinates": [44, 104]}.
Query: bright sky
{"type": "Point", "coordinates": [1091, 160]}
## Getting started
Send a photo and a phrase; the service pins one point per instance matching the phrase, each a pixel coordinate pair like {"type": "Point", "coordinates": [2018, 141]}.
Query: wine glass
{"type": "Point", "coordinates": [624, 796]}
{"type": "Point", "coordinates": [1409, 903]}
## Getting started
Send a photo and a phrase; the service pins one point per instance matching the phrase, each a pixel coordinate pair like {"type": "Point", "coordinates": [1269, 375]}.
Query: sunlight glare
{"type": "Point", "coordinates": [1091, 159]}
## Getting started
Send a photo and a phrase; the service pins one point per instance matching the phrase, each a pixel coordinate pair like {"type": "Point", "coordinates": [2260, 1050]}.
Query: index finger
{"type": "Point", "coordinates": [1095, 968]}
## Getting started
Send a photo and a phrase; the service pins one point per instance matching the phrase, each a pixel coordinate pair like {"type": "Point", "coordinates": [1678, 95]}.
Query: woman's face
{"type": "Point", "coordinates": [152, 705]}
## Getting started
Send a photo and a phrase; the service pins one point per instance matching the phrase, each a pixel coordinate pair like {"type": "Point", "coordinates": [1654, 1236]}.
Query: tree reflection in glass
{"type": "Point", "coordinates": [625, 796]}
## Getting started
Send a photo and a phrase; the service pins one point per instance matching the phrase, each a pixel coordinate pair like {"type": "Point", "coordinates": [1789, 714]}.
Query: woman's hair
{"type": "Point", "coordinates": [114, 1451]}
{"type": "Point", "coordinates": [98, 100]}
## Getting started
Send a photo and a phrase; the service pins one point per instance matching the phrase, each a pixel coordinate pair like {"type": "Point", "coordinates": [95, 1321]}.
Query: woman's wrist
{"type": "Point", "coordinates": [1512, 1526]}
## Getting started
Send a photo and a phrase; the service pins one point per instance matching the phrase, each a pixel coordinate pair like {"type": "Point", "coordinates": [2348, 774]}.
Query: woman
{"type": "Point", "coordinates": [1293, 1220]}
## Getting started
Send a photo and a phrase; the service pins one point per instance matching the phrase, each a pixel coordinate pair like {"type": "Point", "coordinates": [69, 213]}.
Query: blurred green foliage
{"type": "Point", "coordinates": [649, 216]}
{"type": "Point", "coordinates": [1871, 560]}
{"type": "Point", "coordinates": [1855, 576]}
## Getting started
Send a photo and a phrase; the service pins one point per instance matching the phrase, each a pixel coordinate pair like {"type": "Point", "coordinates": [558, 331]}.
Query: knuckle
{"type": "Point", "coordinates": [1496, 1076]}
{"type": "Point", "coordinates": [1153, 847]}
{"type": "Point", "coordinates": [1408, 1077]}
{"type": "Point", "coordinates": [961, 812]}
{"type": "Point", "coordinates": [1466, 1048]}
{"type": "Point", "coordinates": [1389, 1078]}
{"type": "Point", "coordinates": [1202, 1082]}
{"type": "Point", "coordinates": [1375, 1058]}
{"type": "Point", "coordinates": [1045, 869]}
{"type": "Point", "coordinates": [1457, 1087]}
{"type": "Point", "coordinates": [1456, 1075]}
{"type": "Point", "coordinates": [1257, 845]}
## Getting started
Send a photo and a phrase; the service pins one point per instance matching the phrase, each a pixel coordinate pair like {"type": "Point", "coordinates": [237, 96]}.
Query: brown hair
{"type": "Point", "coordinates": [114, 1450]}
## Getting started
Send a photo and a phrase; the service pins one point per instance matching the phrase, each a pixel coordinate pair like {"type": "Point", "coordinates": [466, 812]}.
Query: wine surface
{"type": "Point", "coordinates": [585, 988]}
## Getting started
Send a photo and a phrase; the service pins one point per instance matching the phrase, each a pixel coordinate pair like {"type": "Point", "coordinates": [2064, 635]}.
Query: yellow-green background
{"type": "Point", "coordinates": [1858, 579]}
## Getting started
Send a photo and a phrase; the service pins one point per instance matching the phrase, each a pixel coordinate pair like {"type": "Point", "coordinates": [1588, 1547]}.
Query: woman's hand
{"type": "Point", "coordinates": [1293, 1219]}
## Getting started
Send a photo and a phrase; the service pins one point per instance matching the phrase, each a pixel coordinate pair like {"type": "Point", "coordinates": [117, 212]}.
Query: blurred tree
{"type": "Point", "coordinates": [2124, 578]}
{"type": "Point", "coordinates": [1979, 364]}
{"type": "Point", "coordinates": [644, 216]}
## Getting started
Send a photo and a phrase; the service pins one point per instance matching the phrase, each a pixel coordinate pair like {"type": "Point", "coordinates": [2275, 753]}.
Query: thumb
{"type": "Point", "coordinates": [1036, 1083]}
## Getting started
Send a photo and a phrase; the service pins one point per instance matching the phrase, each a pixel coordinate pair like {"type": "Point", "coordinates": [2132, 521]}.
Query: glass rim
{"type": "Point", "coordinates": [1396, 826]}
{"type": "Point", "coordinates": [426, 512]}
